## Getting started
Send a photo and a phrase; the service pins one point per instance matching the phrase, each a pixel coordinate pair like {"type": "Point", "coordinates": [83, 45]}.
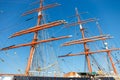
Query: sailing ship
{"type": "Point", "coordinates": [35, 75]}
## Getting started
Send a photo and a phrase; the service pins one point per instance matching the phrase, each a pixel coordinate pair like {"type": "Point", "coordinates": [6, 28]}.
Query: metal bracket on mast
{"type": "Point", "coordinates": [81, 22]}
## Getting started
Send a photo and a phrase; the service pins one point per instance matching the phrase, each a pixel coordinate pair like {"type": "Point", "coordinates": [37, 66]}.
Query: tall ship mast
{"type": "Point", "coordinates": [35, 30]}
{"type": "Point", "coordinates": [87, 52]}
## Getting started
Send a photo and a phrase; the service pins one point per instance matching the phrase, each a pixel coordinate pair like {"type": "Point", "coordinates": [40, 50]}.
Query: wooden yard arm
{"type": "Point", "coordinates": [37, 28]}
{"type": "Point", "coordinates": [84, 40]}
{"type": "Point", "coordinates": [34, 43]}
{"type": "Point", "coordinates": [80, 22]}
{"type": "Point", "coordinates": [83, 53]}
{"type": "Point", "coordinates": [40, 9]}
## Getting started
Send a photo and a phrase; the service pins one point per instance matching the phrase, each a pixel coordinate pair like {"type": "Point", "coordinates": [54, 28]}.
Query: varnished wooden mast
{"type": "Point", "coordinates": [108, 52]}
{"type": "Point", "coordinates": [32, 50]}
{"type": "Point", "coordinates": [86, 49]}
{"type": "Point", "coordinates": [35, 30]}
{"type": "Point", "coordinates": [85, 40]}
{"type": "Point", "coordinates": [112, 63]}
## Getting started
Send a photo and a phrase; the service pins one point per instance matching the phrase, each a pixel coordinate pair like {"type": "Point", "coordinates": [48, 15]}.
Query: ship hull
{"type": "Point", "coordinates": [59, 78]}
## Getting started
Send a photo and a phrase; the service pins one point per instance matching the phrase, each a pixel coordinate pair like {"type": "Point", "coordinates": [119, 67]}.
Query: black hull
{"type": "Point", "coordinates": [59, 78]}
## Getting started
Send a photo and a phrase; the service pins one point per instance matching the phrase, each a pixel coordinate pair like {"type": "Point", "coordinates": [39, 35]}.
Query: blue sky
{"type": "Point", "coordinates": [107, 11]}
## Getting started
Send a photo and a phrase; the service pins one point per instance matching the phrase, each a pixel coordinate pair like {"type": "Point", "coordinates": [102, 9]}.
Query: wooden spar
{"type": "Point", "coordinates": [112, 63]}
{"type": "Point", "coordinates": [84, 41]}
{"type": "Point", "coordinates": [40, 9]}
{"type": "Point", "coordinates": [81, 22]}
{"type": "Point", "coordinates": [93, 52]}
{"type": "Point", "coordinates": [81, 42]}
{"type": "Point", "coordinates": [38, 28]}
{"type": "Point", "coordinates": [92, 39]}
{"type": "Point", "coordinates": [99, 51]}
{"type": "Point", "coordinates": [32, 50]}
{"type": "Point", "coordinates": [86, 49]}
{"type": "Point", "coordinates": [34, 43]}
{"type": "Point", "coordinates": [108, 52]}
{"type": "Point", "coordinates": [35, 30]}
